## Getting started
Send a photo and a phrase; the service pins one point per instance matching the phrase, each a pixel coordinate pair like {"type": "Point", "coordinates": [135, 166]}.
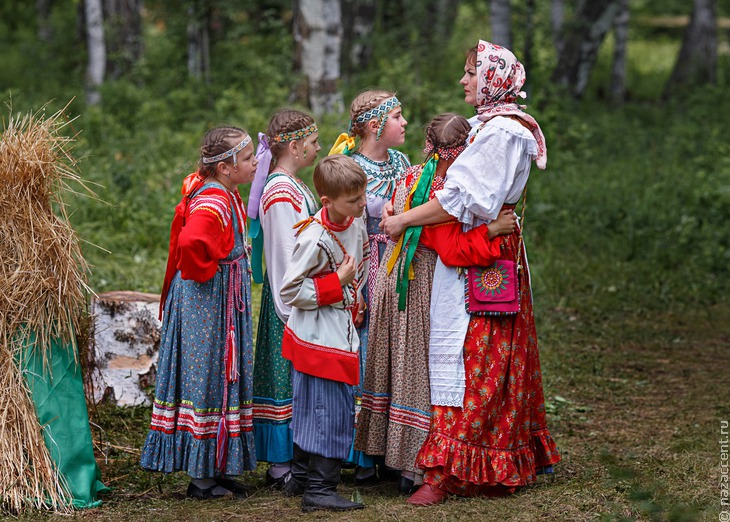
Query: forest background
{"type": "Point", "coordinates": [627, 229]}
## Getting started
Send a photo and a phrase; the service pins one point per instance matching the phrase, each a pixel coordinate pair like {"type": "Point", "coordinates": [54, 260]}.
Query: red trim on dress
{"type": "Point", "coordinates": [320, 361]}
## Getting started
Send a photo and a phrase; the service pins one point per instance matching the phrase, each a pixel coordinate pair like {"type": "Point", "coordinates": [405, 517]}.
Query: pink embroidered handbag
{"type": "Point", "coordinates": [494, 289]}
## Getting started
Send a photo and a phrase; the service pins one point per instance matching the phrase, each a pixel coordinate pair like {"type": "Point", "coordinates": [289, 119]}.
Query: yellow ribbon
{"type": "Point", "coordinates": [344, 144]}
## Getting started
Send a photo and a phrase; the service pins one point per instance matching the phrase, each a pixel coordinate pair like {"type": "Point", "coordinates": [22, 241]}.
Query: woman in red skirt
{"type": "Point", "coordinates": [488, 433]}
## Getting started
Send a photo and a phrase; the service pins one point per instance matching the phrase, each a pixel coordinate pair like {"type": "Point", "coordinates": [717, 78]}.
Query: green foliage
{"type": "Point", "coordinates": [632, 212]}
{"type": "Point", "coordinates": [633, 207]}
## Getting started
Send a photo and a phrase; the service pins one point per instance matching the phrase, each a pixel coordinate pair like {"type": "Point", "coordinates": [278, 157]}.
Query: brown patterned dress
{"type": "Point", "coordinates": [396, 403]}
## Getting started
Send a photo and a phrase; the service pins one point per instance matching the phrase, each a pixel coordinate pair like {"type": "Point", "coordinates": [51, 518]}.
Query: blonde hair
{"type": "Point", "coordinates": [363, 102]}
{"type": "Point", "coordinates": [338, 174]}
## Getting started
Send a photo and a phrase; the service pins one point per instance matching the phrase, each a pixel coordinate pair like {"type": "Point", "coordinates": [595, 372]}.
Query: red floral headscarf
{"type": "Point", "coordinates": [500, 77]}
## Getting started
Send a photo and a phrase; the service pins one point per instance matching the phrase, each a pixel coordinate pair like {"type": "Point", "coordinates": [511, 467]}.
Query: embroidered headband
{"type": "Point", "coordinates": [445, 153]}
{"type": "Point", "coordinates": [380, 112]}
{"type": "Point", "coordinates": [227, 154]}
{"type": "Point", "coordinates": [295, 135]}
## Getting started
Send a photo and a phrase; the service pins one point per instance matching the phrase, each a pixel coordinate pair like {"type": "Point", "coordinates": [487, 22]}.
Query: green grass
{"type": "Point", "coordinates": [634, 404]}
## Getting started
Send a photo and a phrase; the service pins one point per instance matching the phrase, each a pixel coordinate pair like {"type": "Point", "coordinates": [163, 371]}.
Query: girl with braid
{"type": "Point", "coordinates": [376, 118]}
{"type": "Point", "coordinates": [279, 199]}
{"type": "Point", "coordinates": [396, 405]}
{"type": "Point", "coordinates": [201, 416]}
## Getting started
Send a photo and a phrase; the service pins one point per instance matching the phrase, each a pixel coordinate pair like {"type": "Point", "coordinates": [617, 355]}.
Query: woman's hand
{"type": "Point", "coordinates": [360, 315]}
{"type": "Point", "coordinates": [388, 210]}
{"type": "Point", "coordinates": [393, 226]}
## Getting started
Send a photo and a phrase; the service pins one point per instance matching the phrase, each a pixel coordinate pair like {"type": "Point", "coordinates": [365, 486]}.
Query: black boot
{"type": "Point", "coordinates": [297, 479]}
{"type": "Point", "coordinates": [321, 491]}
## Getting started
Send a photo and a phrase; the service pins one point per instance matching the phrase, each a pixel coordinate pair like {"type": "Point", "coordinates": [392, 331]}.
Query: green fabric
{"type": "Point", "coordinates": [413, 234]}
{"type": "Point", "coordinates": [61, 408]}
{"type": "Point", "coordinates": [256, 233]}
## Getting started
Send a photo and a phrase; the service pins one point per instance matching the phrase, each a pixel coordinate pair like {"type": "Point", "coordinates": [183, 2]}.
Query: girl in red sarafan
{"type": "Point", "coordinates": [201, 416]}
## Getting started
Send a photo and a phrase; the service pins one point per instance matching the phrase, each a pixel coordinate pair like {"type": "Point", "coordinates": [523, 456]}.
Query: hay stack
{"type": "Point", "coordinates": [42, 295]}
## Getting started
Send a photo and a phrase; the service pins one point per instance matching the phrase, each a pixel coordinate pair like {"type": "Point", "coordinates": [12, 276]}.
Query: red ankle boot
{"type": "Point", "coordinates": [428, 495]}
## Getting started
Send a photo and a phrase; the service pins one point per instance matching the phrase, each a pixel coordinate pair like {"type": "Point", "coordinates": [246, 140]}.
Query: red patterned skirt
{"type": "Point", "coordinates": [498, 441]}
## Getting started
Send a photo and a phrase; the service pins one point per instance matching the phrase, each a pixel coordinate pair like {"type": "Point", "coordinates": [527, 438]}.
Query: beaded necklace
{"type": "Point", "coordinates": [382, 176]}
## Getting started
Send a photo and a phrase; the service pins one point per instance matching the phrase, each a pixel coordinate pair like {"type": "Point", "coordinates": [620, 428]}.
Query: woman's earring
{"type": "Point", "coordinates": [304, 152]}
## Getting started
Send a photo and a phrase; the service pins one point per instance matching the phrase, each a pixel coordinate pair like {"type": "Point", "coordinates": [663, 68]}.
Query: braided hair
{"type": "Point", "coordinates": [446, 131]}
{"type": "Point", "coordinates": [217, 141]}
{"type": "Point", "coordinates": [286, 120]}
{"type": "Point", "coordinates": [363, 102]}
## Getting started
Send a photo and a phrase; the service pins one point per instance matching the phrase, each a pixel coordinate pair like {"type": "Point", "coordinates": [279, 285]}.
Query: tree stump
{"type": "Point", "coordinates": [126, 342]}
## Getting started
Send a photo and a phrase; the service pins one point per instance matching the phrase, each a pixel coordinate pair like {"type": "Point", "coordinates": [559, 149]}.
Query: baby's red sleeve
{"type": "Point", "coordinates": [458, 248]}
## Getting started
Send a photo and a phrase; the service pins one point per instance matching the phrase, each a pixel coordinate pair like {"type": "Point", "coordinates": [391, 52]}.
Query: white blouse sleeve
{"type": "Point", "coordinates": [280, 211]}
{"type": "Point", "coordinates": [492, 171]}
{"type": "Point", "coordinates": [297, 289]}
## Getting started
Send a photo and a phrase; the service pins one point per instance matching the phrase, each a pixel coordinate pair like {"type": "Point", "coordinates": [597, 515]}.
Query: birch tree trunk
{"type": "Point", "coordinates": [529, 34]}
{"type": "Point", "coordinates": [97, 50]}
{"type": "Point", "coordinates": [199, 40]}
{"type": "Point", "coordinates": [499, 15]}
{"type": "Point", "coordinates": [445, 12]}
{"type": "Point", "coordinates": [123, 35]}
{"type": "Point", "coordinates": [618, 71]}
{"type": "Point", "coordinates": [357, 48]}
{"type": "Point", "coordinates": [557, 16]}
{"type": "Point", "coordinates": [697, 61]}
{"type": "Point", "coordinates": [592, 21]}
{"type": "Point", "coordinates": [43, 11]}
{"type": "Point", "coordinates": [318, 37]}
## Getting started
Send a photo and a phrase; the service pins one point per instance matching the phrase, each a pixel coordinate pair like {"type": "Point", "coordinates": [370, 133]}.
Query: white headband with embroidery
{"type": "Point", "coordinates": [227, 154]}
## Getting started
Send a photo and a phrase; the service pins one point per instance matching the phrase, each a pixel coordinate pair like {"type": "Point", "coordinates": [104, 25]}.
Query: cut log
{"type": "Point", "coordinates": [126, 342]}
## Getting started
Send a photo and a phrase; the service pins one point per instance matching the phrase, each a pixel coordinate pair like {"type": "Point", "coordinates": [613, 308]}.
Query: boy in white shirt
{"type": "Point", "coordinates": [323, 285]}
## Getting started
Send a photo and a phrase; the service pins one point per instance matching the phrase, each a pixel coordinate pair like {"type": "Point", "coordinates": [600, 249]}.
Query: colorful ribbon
{"type": "Point", "coordinates": [255, 231]}
{"type": "Point", "coordinates": [235, 301]}
{"type": "Point", "coordinates": [344, 144]}
{"type": "Point", "coordinates": [409, 240]}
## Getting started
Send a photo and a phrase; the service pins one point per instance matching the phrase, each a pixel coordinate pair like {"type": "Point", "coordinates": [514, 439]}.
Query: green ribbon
{"type": "Point", "coordinates": [412, 235]}
{"type": "Point", "coordinates": [256, 234]}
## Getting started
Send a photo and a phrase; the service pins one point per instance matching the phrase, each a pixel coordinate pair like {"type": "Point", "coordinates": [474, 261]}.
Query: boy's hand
{"type": "Point", "coordinates": [506, 223]}
{"type": "Point", "coordinates": [360, 315]}
{"type": "Point", "coordinates": [346, 271]}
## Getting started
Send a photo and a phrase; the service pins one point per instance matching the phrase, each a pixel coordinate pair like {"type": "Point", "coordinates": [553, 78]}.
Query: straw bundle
{"type": "Point", "coordinates": [42, 295]}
